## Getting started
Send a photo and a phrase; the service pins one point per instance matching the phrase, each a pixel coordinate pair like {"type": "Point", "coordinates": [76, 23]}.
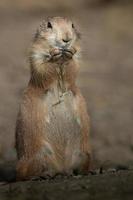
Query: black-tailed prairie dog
{"type": "Point", "coordinates": [52, 131]}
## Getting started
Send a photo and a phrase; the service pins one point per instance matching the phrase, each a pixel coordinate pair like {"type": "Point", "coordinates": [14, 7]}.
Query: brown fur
{"type": "Point", "coordinates": [52, 132]}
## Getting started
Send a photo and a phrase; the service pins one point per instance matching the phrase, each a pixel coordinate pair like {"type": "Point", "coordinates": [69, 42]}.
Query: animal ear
{"type": "Point", "coordinates": [79, 36]}
{"type": "Point", "coordinates": [37, 33]}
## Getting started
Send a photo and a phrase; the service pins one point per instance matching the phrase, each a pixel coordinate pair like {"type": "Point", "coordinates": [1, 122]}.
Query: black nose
{"type": "Point", "coordinates": [66, 40]}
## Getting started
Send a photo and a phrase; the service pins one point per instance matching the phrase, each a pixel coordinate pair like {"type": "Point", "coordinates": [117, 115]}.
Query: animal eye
{"type": "Point", "coordinates": [73, 26]}
{"type": "Point", "coordinates": [49, 25]}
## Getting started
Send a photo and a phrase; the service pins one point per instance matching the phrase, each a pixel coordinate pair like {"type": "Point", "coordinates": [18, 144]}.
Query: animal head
{"type": "Point", "coordinates": [58, 32]}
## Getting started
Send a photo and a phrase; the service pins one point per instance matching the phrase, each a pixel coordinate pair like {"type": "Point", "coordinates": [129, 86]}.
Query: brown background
{"type": "Point", "coordinates": [105, 76]}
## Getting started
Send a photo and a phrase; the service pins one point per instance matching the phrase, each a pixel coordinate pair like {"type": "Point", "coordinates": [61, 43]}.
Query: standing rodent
{"type": "Point", "coordinates": [52, 131]}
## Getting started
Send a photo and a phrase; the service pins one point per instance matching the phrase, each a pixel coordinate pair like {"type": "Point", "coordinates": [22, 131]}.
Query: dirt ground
{"type": "Point", "coordinates": [116, 186]}
{"type": "Point", "coordinates": [105, 76]}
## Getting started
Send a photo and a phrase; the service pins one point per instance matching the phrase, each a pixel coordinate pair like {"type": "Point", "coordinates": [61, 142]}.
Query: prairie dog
{"type": "Point", "coordinates": [52, 130]}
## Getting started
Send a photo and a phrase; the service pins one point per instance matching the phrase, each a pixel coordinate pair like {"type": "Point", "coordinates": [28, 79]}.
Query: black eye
{"type": "Point", "coordinates": [73, 26]}
{"type": "Point", "coordinates": [49, 25]}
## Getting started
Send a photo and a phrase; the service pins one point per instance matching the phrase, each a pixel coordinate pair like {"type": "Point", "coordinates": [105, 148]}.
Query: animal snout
{"type": "Point", "coordinates": [66, 40]}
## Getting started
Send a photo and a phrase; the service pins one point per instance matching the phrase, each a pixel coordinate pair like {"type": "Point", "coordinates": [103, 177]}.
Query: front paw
{"type": "Point", "coordinates": [69, 53]}
{"type": "Point", "coordinates": [55, 54]}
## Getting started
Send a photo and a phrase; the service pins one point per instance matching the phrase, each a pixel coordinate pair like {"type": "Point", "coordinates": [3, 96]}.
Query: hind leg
{"type": "Point", "coordinates": [80, 162]}
{"type": "Point", "coordinates": [27, 168]}
{"type": "Point", "coordinates": [83, 120]}
{"type": "Point", "coordinates": [44, 163]}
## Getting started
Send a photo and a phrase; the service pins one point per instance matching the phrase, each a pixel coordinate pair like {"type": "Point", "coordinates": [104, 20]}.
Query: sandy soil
{"type": "Point", "coordinates": [105, 77]}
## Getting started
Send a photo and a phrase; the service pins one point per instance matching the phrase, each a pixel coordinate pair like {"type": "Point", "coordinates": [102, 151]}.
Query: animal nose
{"type": "Point", "coordinates": [66, 40]}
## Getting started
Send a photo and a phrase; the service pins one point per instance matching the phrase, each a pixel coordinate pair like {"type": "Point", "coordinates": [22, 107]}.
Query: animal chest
{"type": "Point", "coordinates": [62, 120]}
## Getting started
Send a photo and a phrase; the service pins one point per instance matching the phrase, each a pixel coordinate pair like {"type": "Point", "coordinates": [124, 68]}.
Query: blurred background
{"type": "Point", "coordinates": [106, 74]}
